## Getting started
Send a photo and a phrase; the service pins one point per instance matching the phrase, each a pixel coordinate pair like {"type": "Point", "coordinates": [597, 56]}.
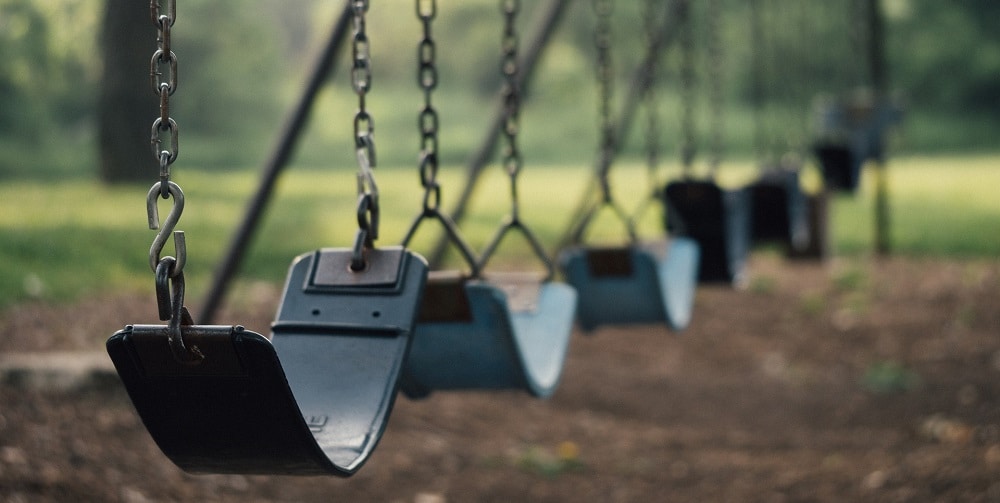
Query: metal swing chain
{"type": "Point", "coordinates": [364, 140]}
{"type": "Point", "coordinates": [427, 77]}
{"type": "Point", "coordinates": [717, 119]}
{"type": "Point", "coordinates": [164, 135]}
{"type": "Point", "coordinates": [652, 115]}
{"type": "Point", "coordinates": [688, 143]}
{"type": "Point", "coordinates": [757, 74]}
{"type": "Point", "coordinates": [511, 157]}
{"type": "Point", "coordinates": [602, 42]}
{"type": "Point", "coordinates": [606, 150]}
{"type": "Point", "coordinates": [428, 125]}
{"type": "Point", "coordinates": [168, 271]}
{"type": "Point", "coordinates": [163, 80]}
{"type": "Point", "coordinates": [651, 98]}
{"type": "Point", "coordinates": [512, 161]}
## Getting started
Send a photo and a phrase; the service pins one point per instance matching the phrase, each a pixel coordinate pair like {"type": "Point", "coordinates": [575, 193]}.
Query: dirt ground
{"type": "Point", "coordinates": [853, 380]}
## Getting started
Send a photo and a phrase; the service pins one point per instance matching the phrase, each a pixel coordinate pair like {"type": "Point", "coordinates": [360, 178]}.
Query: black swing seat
{"type": "Point", "coordinates": [313, 400]}
{"type": "Point", "coordinates": [717, 219]}
{"type": "Point", "coordinates": [779, 209]}
{"type": "Point", "coordinates": [853, 134]}
{"type": "Point", "coordinates": [641, 283]}
{"type": "Point", "coordinates": [509, 331]}
{"type": "Point", "coordinates": [840, 165]}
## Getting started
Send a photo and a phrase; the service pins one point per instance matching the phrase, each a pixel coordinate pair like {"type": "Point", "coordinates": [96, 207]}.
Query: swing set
{"type": "Point", "coordinates": [358, 324]}
{"type": "Point", "coordinates": [635, 282]}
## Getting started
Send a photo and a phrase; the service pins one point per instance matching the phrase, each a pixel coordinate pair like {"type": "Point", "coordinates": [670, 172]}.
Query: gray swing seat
{"type": "Point", "coordinates": [508, 332]}
{"type": "Point", "coordinates": [313, 400]}
{"type": "Point", "coordinates": [641, 283]}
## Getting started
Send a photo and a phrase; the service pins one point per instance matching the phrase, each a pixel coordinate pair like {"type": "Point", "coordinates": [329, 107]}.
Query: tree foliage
{"type": "Point", "coordinates": [241, 63]}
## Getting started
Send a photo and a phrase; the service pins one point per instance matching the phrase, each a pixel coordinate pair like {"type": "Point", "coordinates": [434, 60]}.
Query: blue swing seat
{"type": "Point", "coordinates": [506, 333]}
{"type": "Point", "coordinates": [653, 282]}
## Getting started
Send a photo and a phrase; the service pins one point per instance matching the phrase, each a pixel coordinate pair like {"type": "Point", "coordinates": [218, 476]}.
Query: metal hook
{"type": "Point", "coordinates": [176, 312]}
{"type": "Point", "coordinates": [167, 228]}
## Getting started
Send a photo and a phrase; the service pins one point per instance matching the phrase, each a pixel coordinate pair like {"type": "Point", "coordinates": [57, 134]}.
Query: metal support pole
{"type": "Point", "coordinates": [879, 82]}
{"type": "Point", "coordinates": [279, 158]}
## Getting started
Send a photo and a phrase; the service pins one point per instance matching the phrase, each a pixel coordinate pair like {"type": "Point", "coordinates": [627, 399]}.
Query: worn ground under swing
{"type": "Point", "coordinates": [855, 380]}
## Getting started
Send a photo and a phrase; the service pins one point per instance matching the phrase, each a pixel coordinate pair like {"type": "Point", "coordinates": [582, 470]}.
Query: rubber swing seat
{"type": "Point", "coordinates": [718, 220]}
{"type": "Point", "coordinates": [510, 332]}
{"type": "Point", "coordinates": [648, 283]}
{"type": "Point", "coordinates": [313, 400]}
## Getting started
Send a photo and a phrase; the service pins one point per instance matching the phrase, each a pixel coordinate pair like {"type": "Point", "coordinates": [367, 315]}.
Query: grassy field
{"type": "Point", "coordinates": [63, 239]}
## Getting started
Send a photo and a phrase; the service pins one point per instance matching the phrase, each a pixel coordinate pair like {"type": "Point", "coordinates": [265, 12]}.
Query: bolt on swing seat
{"type": "Point", "coordinates": [313, 400]}
{"type": "Point", "coordinates": [779, 208]}
{"type": "Point", "coordinates": [504, 331]}
{"type": "Point", "coordinates": [717, 219]}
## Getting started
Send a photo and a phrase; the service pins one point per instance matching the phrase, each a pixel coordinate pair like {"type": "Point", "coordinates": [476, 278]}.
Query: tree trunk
{"type": "Point", "coordinates": [126, 105]}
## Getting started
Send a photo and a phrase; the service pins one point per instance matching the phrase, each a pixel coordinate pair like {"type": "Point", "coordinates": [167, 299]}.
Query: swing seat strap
{"type": "Point", "coordinates": [314, 400]}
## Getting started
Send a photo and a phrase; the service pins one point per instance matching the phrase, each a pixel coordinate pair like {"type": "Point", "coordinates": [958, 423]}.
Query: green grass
{"type": "Point", "coordinates": [63, 239]}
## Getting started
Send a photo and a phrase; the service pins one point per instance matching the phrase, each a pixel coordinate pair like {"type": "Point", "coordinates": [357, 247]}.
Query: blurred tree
{"type": "Point", "coordinates": [947, 54]}
{"type": "Point", "coordinates": [125, 106]}
{"type": "Point", "coordinates": [24, 38]}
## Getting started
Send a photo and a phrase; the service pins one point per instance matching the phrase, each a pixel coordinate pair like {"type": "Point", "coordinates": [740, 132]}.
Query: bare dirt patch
{"type": "Point", "coordinates": [846, 381]}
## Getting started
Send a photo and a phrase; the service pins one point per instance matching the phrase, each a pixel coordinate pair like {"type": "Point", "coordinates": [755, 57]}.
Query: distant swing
{"type": "Point", "coordinates": [779, 207]}
{"type": "Point", "coordinates": [717, 218]}
{"type": "Point", "coordinates": [476, 331]}
{"type": "Point", "coordinates": [637, 282]}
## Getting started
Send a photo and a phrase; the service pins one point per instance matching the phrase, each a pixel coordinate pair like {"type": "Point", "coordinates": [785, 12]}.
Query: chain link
{"type": "Point", "coordinates": [364, 139]}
